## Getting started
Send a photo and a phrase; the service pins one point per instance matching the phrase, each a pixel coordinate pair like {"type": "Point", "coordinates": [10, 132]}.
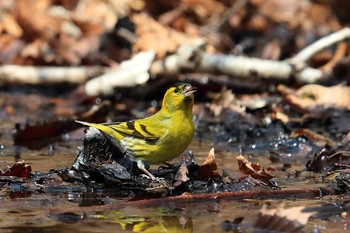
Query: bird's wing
{"type": "Point", "coordinates": [136, 129]}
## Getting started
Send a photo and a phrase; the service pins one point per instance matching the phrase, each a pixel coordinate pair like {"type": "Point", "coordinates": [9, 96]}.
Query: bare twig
{"type": "Point", "coordinates": [338, 56]}
{"type": "Point", "coordinates": [323, 43]}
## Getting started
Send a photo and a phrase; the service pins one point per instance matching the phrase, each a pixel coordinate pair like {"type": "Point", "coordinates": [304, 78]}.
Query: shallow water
{"type": "Point", "coordinates": [61, 212]}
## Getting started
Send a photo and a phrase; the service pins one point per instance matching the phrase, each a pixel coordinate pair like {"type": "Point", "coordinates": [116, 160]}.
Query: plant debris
{"type": "Point", "coordinates": [279, 220]}
{"type": "Point", "coordinates": [209, 169]}
{"type": "Point", "coordinates": [20, 169]}
{"type": "Point", "coordinates": [254, 170]}
{"type": "Point", "coordinates": [282, 219]}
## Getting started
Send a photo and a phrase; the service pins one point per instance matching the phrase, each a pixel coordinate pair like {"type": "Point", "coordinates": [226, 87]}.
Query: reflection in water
{"type": "Point", "coordinates": [160, 224]}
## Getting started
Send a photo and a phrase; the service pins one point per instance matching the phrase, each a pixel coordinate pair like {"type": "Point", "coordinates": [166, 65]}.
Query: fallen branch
{"type": "Point", "coordinates": [130, 73]}
{"type": "Point", "coordinates": [323, 43]}
{"type": "Point", "coordinates": [24, 75]}
{"type": "Point", "coordinates": [190, 57]}
{"type": "Point", "coordinates": [193, 58]}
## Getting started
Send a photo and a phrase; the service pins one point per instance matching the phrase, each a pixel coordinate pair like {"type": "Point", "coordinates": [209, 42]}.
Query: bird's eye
{"type": "Point", "coordinates": [177, 90]}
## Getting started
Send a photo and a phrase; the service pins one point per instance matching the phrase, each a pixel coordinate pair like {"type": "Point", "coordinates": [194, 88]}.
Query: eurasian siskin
{"type": "Point", "coordinates": [160, 137]}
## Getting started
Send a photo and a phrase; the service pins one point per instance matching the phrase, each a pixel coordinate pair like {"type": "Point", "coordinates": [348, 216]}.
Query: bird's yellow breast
{"type": "Point", "coordinates": [177, 132]}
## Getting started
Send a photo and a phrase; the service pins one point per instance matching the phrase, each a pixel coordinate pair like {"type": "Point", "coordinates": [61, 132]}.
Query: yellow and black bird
{"type": "Point", "coordinates": [160, 137]}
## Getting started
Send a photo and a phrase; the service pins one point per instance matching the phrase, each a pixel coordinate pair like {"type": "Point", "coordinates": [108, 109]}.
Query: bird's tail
{"type": "Point", "coordinates": [103, 128]}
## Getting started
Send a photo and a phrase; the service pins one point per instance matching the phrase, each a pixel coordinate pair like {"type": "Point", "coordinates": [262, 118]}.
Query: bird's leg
{"type": "Point", "coordinates": [141, 166]}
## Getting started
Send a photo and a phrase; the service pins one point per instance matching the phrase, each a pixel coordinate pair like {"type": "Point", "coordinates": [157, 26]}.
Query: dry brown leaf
{"type": "Point", "coordinates": [67, 34]}
{"type": "Point", "coordinates": [247, 167]}
{"type": "Point", "coordinates": [258, 23]}
{"type": "Point", "coordinates": [320, 14]}
{"type": "Point", "coordinates": [72, 50]}
{"type": "Point", "coordinates": [281, 219]}
{"type": "Point", "coordinates": [224, 100]}
{"type": "Point", "coordinates": [318, 139]}
{"type": "Point", "coordinates": [277, 113]}
{"type": "Point", "coordinates": [153, 36]}
{"type": "Point", "coordinates": [313, 97]}
{"type": "Point", "coordinates": [10, 26]}
{"type": "Point", "coordinates": [205, 9]}
{"type": "Point", "coordinates": [254, 170]}
{"type": "Point", "coordinates": [19, 169]}
{"type": "Point", "coordinates": [35, 20]}
{"type": "Point", "coordinates": [102, 13]}
{"type": "Point", "coordinates": [35, 49]}
{"type": "Point", "coordinates": [279, 11]}
{"type": "Point", "coordinates": [181, 175]}
{"type": "Point", "coordinates": [209, 169]}
{"type": "Point", "coordinates": [9, 47]}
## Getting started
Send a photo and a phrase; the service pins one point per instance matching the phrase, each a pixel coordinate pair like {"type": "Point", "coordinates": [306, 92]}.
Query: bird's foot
{"type": "Point", "coordinates": [153, 178]}
{"type": "Point", "coordinates": [144, 176]}
{"type": "Point", "coordinates": [159, 179]}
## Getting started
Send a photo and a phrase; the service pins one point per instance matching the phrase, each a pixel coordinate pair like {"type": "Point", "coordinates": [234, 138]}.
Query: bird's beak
{"type": "Point", "coordinates": [189, 90]}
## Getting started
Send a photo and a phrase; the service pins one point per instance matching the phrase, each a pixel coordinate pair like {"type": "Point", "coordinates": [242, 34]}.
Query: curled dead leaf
{"type": "Point", "coordinates": [19, 169]}
{"type": "Point", "coordinates": [181, 175]}
{"type": "Point", "coordinates": [279, 11]}
{"type": "Point", "coordinates": [254, 170]}
{"type": "Point", "coordinates": [10, 26]}
{"type": "Point", "coordinates": [35, 20]}
{"type": "Point", "coordinates": [154, 36]}
{"type": "Point", "coordinates": [209, 169]}
{"type": "Point", "coordinates": [318, 139]}
{"type": "Point", "coordinates": [316, 97]}
{"type": "Point", "coordinates": [281, 219]}
{"type": "Point", "coordinates": [328, 159]}
{"type": "Point", "coordinates": [277, 113]}
{"type": "Point", "coordinates": [225, 100]}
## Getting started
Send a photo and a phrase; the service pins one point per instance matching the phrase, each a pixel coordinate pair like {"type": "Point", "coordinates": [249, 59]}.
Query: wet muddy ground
{"type": "Point", "coordinates": [65, 211]}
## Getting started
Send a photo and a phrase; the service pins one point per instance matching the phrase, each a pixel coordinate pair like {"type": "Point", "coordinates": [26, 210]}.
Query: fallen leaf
{"type": "Point", "coordinates": [205, 9]}
{"type": "Point", "coordinates": [36, 135]}
{"type": "Point", "coordinates": [10, 47]}
{"type": "Point", "coordinates": [19, 169]}
{"type": "Point", "coordinates": [254, 170]}
{"type": "Point", "coordinates": [314, 97]}
{"type": "Point", "coordinates": [279, 11]}
{"type": "Point", "coordinates": [328, 160]}
{"type": "Point", "coordinates": [181, 175]}
{"type": "Point", "coordinates": [224, 100]}
{"type": "Point", "coordinates": [209, 169]}
{"type": "Point", "coordinates": [10, 26]}
{"type": "Point", "coordinates": [36, 49]}
{"type": "Point", "coordinates": [318, 139]}
{"type": "Point", "coordinates": [277, 113]}
{"type": "Point", "coordinates": [154, 36]}
{"type": "Point", "coordinates": [281, 219]}
{"type": "Point", "coordinates": [35, 20]}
